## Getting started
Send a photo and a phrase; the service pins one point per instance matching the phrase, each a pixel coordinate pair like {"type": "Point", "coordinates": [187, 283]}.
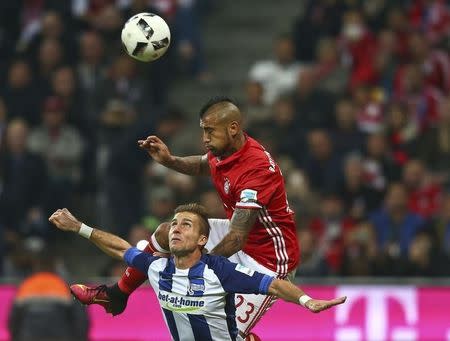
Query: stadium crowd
{"type": "Point", "coordinates": [354, 105]}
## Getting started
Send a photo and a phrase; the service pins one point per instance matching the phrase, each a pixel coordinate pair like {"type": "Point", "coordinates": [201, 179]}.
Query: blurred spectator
{"type": "Point", "coordinates": [3, 121]}
{"type": "Point", "coordinates": [23, 184]}
{"type": "Point", "coordinates": [20, 94]}
{"type": "Point", "coordinates": [171, 124]}
{"type": "Point", "coordinates": [184, 186]}
{"type": "Point", "coordinates": [424, 194]}
{"type": "Point", "coordinates": [329, 71]}
{"type": "Point", "coordinates": [139, 233]}
{"type": "Point", "coordinates": [280, 132]}
{"type": "Point", "coordinates": [369, 109]}
{"type": "Point", "coordinates": [43, 309]}
{"type": "Point", "coordinates": [375, 12]}
{"type": "Point", "coordinates": [114, 121]}
{"type": "Point", "coordinates": [424, 259]}
{"type": "Point", "coordinates": [52, 26]}
{"type": "Point", "coordinates": [124, 83]}
{"type": "Point", "coordinates": [9, 30]}
{"type": "Point", "coordinates": [211, 201]}
{"type": "Point", "coordinates": [358, 197]}
{"type": "Point", "coordinates": [64, 86]}
{"type": "Point", "coordinates": [314, 107]}
{"type": "Point", "coordinates": [359, 47]}
{"type": "Point", "coordinates": [177, 130]}
{"type": "Point", "coordinates": [397, 21]}
{"type": "Point", "coordinates": [395, 225]}
{"type": "Point", "coordinates": [441, 225]}
{"type": "Point", "coordinates": [385, 63]}
{"type": "Point", "coordinates": [313, 262]}
{"type": "Point", "coordinates": [322, 165]}
{"type": "Point", "coordinates": [434, 144]}
{"type": "Point", "coordinates": [321, 18]}
{"type": "Point", "coordinates": [60, 145]}
{"type": "Point", "coordinates": [302, 199]}
{"type": "Point", "coordinates": [114, 269]}
{"type": "Point", "coordinates": [402, 132]}
{"type": "Point", "coordinates": [346, 136]}
{"type": "Point", "coordinates": [422, 99]}
{"type": "Point", "coordinates": [379, 167]}
{"type": "Point", "coordinates": [279, 75]}
{"type": "Point", "coordinates": [254, 108]}
{"type": "Point", "coordinates": [121, 179]}
{"type": "Point", "coordinates": [50, 57]}
{"type": "Point", "coordinates": [91, 72]}
{"type": "Point", "coordinates": [188, 39]}
{"type": "Point", "coordinates": [106, 18]}
{"type": "Point", "coordinates": [330, 229]}
{"type": "Point", "coordinates": [161, 204]}
{"type": "Point", "coordinates": [435, 63]}
{"type": "Point", "coordinates": [360, 253]}
{"type": "Point", "coordinates": [432, 17]}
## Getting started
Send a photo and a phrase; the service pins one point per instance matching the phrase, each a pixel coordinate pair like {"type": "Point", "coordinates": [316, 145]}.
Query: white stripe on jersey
{"type": "Point", "coordinates": [283, 243]}
{"type": "Point", "coordinates": [274, 239]}
{"type": "Point", "coordinates": [278, 240]}
{"type": "Point", "coordinates": [184, 329]}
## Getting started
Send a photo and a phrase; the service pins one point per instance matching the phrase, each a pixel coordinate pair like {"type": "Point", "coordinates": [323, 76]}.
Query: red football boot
{"type": "Point", "coordinates": [101, 295]}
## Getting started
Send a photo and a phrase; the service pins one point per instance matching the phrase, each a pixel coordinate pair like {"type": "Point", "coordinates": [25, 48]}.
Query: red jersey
{"type": "Point", "coordinates": [251, 179]}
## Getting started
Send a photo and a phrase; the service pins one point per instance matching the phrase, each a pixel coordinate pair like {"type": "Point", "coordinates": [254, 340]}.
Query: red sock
{"type": "Point", "coordinates": [132, 278]}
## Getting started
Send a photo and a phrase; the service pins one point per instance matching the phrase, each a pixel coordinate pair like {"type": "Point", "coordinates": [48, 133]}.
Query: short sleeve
{"type": "Point", "coordinates": [256, 187]}
{"type": "Point", "coordinates": [236, 278]}
{"type": "Point", "coordinates": [138, 259]}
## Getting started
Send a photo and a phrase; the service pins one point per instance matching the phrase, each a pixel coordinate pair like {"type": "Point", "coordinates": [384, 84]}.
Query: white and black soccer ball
{"type": "Point", "coordinates": [146, 36]}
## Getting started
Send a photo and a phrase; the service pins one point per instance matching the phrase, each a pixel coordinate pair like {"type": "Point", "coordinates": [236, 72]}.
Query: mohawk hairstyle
{"type": "Point", "coordinates": [214, 101]}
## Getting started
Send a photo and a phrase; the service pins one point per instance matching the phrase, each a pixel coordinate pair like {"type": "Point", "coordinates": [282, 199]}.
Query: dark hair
{"type": "Point", "coordinates": [213, 101]}
{"type": "Point", "coordinates": [201, 212]}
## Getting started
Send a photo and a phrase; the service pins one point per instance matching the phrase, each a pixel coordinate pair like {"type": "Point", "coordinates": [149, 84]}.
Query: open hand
{"type": "Point", "coordinates": [316, 306]}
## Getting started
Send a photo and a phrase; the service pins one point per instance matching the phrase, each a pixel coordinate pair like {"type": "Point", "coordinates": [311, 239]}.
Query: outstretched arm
{"type": "Point", "coordinates": [190, 165]}
{"type": "Point", "coordinates": [109, 243]}
{"type": "Point", "coordinates": [241, 223]}
{"type": "Point", "coordinates": [291, 293]}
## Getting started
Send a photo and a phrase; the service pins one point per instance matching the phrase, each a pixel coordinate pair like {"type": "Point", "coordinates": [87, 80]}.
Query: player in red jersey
{"type": "Point", "coordinates": [260, 233]}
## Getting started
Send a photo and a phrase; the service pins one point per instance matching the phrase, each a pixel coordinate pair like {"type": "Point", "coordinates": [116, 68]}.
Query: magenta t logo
{"type": "Point", "coordinates": [376, 323]}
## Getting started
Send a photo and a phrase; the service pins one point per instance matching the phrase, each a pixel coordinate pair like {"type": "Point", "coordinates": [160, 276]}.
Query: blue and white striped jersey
{"type": "Point", "coordinates": [198, 303]}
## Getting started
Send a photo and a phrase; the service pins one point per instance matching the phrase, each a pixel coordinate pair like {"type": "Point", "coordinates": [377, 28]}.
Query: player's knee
{"type": "Point", "coordinates": [162, 235]}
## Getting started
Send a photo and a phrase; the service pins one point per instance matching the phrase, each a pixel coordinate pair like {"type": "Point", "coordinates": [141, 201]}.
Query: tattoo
{"type": "Point", "coordinates": [229, 245]}
{"type": "Point", "coordinates": [241, 223]}
{"type": "Point", "coordinates": [243, 219]}
{"type": "Point", "coordinates": [190, 165]}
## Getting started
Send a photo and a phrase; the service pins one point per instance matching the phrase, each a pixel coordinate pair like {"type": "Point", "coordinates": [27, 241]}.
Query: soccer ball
{"type": "Point", "coordinates": [146, 37]}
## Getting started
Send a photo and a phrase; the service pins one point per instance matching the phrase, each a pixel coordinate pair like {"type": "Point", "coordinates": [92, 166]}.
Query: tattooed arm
{"type": "Point", "coordinates": [241, 223]}
{"type": "Point", "coordinates": [190, 165]}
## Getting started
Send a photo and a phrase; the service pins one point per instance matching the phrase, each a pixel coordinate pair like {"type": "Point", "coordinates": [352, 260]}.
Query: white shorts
{"type": "Point", "coordinates": [249, 308]}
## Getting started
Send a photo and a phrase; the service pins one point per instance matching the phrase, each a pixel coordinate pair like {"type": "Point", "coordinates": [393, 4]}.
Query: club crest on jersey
{"type": "Point", "coordinates": [226, 186]}
{"type": "Point", "coordinates": [195, 288]}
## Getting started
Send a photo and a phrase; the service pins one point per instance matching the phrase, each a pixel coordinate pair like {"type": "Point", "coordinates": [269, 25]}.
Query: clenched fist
{"type": "Point", "coordinates": [65, 221]}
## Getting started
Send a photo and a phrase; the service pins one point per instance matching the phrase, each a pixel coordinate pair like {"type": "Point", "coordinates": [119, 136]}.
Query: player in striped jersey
{"type": "Point", "coordinates": [195, 290]}
{"type": "Point", "coordinates": [260, 231]}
